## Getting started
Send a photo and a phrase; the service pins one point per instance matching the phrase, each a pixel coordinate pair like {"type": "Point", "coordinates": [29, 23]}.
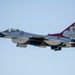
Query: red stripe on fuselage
{"type": "Point", "coordinates": [57, 35]}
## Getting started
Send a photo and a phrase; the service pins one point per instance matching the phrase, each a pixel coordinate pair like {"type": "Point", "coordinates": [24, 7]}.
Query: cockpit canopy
{"type": "Point", "coordinates": [12, 30]}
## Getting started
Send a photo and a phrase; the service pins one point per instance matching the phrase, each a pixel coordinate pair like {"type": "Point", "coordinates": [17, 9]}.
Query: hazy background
{"type": "Point", "coordinates": [41, 17]}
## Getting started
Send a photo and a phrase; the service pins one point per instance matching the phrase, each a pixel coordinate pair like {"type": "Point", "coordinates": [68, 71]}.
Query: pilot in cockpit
{"type": "Point", "coordinates": [12, 30]}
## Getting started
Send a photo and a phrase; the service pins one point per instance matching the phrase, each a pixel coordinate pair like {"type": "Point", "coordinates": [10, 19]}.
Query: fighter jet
{"type": "Point", "coordinates": [65, 39]}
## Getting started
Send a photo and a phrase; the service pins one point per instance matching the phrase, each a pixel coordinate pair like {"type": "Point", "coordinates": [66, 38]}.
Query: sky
{"type": "Point", "coordinates": [40, 17]}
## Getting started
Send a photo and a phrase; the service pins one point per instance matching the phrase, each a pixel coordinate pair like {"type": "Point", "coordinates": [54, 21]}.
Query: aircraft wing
{"type": "Point", "coordinates": [48, 40]}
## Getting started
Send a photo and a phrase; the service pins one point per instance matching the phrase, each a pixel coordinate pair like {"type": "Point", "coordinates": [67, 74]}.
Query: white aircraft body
{"type": "Point", "coordinates": [65, 39]}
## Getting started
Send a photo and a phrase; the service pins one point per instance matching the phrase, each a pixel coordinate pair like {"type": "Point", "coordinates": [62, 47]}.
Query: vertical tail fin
{"type": "Point", "coordinates": [69, 32]}
{"type": "Point", "coordinates": [71, 26]}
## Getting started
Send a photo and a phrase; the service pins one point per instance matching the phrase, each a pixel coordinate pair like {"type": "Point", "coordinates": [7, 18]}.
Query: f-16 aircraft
{"type": "Point", "coordinates": [65, 39]}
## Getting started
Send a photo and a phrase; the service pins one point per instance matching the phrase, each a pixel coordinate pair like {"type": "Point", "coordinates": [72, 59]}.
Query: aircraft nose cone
{"type": "Point", "coordinates": [2, 35]}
